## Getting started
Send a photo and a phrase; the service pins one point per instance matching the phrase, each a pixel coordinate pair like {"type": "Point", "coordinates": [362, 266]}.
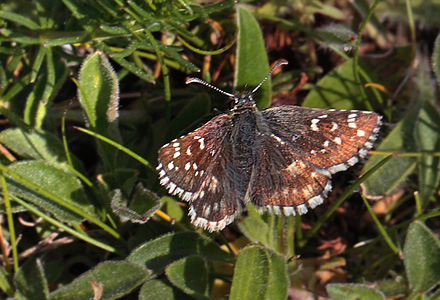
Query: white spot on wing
{"type": "Point", "coordinates": [176, 155]}
{"type": "Point", "coordinates": [170, 166]}
{"type": "Point", "coordinates": [314, 125]}
{"type": "Point", "coordinates": [360, 132]}
{"type": "Point", "coordinates": [187, 166]}
{"type": "Point", "coordinates": [334, 126]}
{"type": "Point", "coordinates": [188, 150]}
{"type": "Point", "coordinates": [338, 140]}
{"type": "Point", "coordinates": [202, 143]}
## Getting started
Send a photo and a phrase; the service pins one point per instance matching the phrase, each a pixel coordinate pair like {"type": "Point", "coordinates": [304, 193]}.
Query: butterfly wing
{"type": "Point", "coordinates": [282, 182]}
{"type": "Point", "coordinates": [295, 160]}
{"type": "Point", "coordinates": [197, 167]}
{"type": "Point", "coordinates": [331, 140]}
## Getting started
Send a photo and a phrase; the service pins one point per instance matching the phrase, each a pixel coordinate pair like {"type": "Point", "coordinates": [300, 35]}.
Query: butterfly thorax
{"type": "Point", "coordinates": [247, 127]}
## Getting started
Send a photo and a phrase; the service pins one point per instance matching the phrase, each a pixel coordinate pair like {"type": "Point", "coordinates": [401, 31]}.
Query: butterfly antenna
{"type": "Point", "coordinates": [198, 80]}
{"type": "Point", "coordinates": [279, 63]}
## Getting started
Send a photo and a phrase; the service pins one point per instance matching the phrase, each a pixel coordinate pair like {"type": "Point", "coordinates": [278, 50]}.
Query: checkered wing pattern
{"type": "Point", "coordinates": [331, 140]}
{"type": "Point", "coordinates": [197, 167]}
{"type": "Point", "coordinates": [282, 182]}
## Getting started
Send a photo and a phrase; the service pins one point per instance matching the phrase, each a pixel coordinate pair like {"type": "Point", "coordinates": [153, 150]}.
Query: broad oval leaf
{"type": "Point", "coordinates": [337, 89]}
{"type": "Point", "coordinates": [36, 144]}
{"type": "Point", "coordinates": [353, 292]}
{"type": "Point", "coordinates": [30, 282]}
{"type": "Point", "coordinates": [159, 253]}
{"type": "Point", "coordinates": [427, 137]}
{"type": "Point", "coordinates": [116, 278]}
{"type": "Point", "coordinates": [421, 256]}
{"type": "Point", "coordinates": [99, 97]}
{"type": "Point", "coordinates": [48, 177]}
{"type": "Point", "coordinates": [159, 289]}
{"type": "Point", "coordinates": [98, 92]}
{"type": "Point", "coordinates": [251, 274]}
{"type": "Point", "coordinates": [190, 274]}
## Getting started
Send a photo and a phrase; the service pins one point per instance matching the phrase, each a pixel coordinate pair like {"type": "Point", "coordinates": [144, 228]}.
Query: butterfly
{"type": "Point", "coordinates": [279, 159]}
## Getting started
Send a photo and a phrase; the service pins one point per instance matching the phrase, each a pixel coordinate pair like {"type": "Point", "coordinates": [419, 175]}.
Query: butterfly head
{"type": "Point", "coordinates": [243, 100]}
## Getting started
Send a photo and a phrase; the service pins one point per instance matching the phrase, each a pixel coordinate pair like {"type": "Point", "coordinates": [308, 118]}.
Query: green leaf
{"type": "Point", "coordinates": [400, 140]}
{"type": "Point", "coordinates": [99, 98]}
{"type": "Point", "coordinates": [278, 279]}
{"type": "Point", "coordinates": [36, 144]}
{"type": "Point", "coordinates": [421, 256]}
{"type": "Point", "coordinates": [190, 274]}
{"type": "Point", "coordinates": [436, 59]}
{"type": "Point", "coordinates": [336, 35]}
{"type": "Point", "coordinates": [251, 274]}
{"type": "Point", "coordinates": [48, 177]}
{"type": "Point", "coordinates": [30, 282]}
{"type": "Point", "coordinates": [269, 278]}
{"type": "Point", "coordinates": [141, 207]}
{"type": "Point", "coordinates": [252, 63]}
{"type": "Point", "coordinates": [392, 287]}
{"type": "Point", "coordinates": [5, 282]}
{"type": "Point", "coordinates": [428, 139]}
{"type": "Point", "coordinates": [158, 289]}
{"type": "Point", "coordinates": [337, 89]}
{"type": "Point", "coordinates": [353, 292]}
{"type": "Point", "coordinates": [22, 20]}
{"type": "Point", "coordinates": [157, 254]}
{"type": "Point", "coordinates": [172, 208]}
{"type": "Point", "coordinates": [259, 228]}
{"type": "Point", "coordinates": [117, 279]}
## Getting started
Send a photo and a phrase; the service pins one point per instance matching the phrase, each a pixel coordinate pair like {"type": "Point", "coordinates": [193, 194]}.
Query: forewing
{"type": "Point", "coordinates": [197, 168]}
{"type": "Point", "coordinates": [282, 182]}
{"type": "Point", "coordinates": [331, 140]}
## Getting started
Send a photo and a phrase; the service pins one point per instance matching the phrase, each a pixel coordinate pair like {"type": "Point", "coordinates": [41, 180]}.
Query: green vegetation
{"type": "Point", "coordinates": [89, 91]}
